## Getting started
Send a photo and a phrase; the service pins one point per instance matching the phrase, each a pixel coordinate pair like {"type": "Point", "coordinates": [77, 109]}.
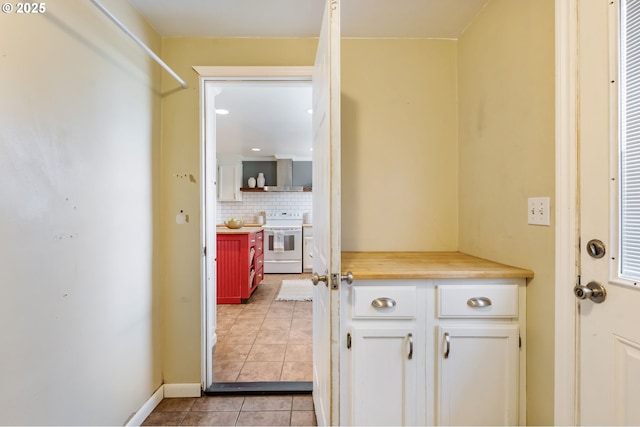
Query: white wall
{"type": "Point", "coordinates": [252, 203]}
{"type": "Point", "coordinates": [79, 149]}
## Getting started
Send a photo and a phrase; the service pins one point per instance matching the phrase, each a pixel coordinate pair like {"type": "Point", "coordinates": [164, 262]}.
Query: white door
{"type": "Point", "coordinates": [608, 355]}
{"type": "Point", "coordinates": [326, 216]}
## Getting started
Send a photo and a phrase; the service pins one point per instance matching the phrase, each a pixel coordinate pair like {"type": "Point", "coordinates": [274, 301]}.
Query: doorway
{"type": "Point", "coordinates": [222, 352]}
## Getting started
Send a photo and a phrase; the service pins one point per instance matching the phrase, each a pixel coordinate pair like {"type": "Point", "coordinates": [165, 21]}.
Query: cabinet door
{"type": "Point", "coordinates": [383, 376]}
{"type": "Point", "coordinates": [229, 182]}
{"type": "Point", "coordinates": [478, 375]}
{"type": "Point", "coordinates": [307, 260]}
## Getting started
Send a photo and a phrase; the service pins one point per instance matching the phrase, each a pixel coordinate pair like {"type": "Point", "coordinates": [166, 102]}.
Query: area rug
{"type": "Point", "coordinates": [295, 290]}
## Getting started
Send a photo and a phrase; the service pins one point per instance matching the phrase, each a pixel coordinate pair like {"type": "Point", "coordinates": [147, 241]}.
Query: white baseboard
{"type": "Point", "coordinates": [147, 408]}
{"type": "Point", "coordinates": [182, 390]}
{"type": "Point", "coordinates": [165, 390]}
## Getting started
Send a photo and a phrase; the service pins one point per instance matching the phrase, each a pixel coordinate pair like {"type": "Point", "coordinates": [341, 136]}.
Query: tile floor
{"type": "Point", "coordinates": [264, 340]}
{"type": "Point", "coordinates": [285, 410]}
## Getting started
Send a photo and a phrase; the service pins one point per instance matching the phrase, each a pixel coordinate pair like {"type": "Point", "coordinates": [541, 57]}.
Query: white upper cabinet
{"type": "Point", "coordinates": [229, 182]}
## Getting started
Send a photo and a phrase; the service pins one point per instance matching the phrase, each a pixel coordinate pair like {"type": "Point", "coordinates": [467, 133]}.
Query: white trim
{"type": "Point", "coordinates": [183, 390]}
{"type": "Point", "coordinates": [208, 241]}
{"type": "Point", "coordinates": [146, 409]}
{"type": "Point", "coordinates": [616, 96]}
{"type": "Point", "coordinates": [165, 390]}
{"type": "Point", "coordinates": [255, 73]}
{"type": "Point", "coordinates": [211, 74]}
{"type": "Point", "coordinates": [204, 291]}
{"type": "Point", "coordinates": [565, 401]}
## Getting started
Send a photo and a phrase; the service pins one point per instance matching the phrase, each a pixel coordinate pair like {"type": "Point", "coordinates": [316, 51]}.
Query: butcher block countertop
{"type": "Point", "coordinates": [427, 265]}
{"type": "Point", "coordinates": [222, 229]}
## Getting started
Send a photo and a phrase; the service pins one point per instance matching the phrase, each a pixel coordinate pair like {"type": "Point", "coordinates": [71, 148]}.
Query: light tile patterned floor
{"type": "Point", "coordinates": [264, 340]}
{"type": "Point", "coordinates": [285, 410]}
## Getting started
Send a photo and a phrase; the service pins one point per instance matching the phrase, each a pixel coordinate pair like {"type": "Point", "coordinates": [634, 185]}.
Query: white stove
{"type": "Point", "coordinates": [283, 242]}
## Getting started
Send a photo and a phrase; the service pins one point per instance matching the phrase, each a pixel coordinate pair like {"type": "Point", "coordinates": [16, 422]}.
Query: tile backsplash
{"type": "Point", "coordinates": [252, 203]}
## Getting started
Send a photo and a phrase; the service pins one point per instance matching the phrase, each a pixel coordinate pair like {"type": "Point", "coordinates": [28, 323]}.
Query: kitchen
{"type": "Point", "coordinates": [261, 189]}
{"type": "Point", "coordinates": [276, 205]}
{"type": "Point", "coordinates": [264, 168]}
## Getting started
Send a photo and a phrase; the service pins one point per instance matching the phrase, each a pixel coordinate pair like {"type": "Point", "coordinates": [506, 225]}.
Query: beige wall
{"type": "Point", "coordinates": [399, 157]}
{"type": "Point", "coordinates": [506, 85]}
{"type": "Point", "coordinates": [399, 145]}
{"type": "Point", "coordinates": [79, 157]}
{"type": "Point", "coordinates": [181, 155]}
{"type": "Point", "coordinates": [401, 123]}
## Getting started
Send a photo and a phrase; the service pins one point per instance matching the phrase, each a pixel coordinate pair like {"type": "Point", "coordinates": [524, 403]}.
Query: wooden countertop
{"type": "Point", "coordinates": [222, 229]}
{"type": "Point", "coordinates": [427, 265]}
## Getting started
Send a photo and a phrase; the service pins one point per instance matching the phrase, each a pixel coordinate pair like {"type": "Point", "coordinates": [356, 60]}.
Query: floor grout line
{"type": "Point", "coordinates": [272, 316]}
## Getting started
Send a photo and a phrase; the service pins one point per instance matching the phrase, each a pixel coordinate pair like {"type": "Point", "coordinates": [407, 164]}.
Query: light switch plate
{"type": "Point", "coordinates": [538, 211]}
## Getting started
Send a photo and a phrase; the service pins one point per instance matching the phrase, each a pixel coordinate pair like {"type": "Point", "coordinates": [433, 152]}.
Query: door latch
{"type": "Point", "coordinates": [593, 291]}
{"type": "Point", "coordinates": [596, 249]}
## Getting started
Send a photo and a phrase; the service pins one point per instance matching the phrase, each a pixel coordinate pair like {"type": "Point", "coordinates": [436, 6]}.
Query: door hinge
{"type": "Point", "coordinates": [348, 340]}
{"type": "Point", "coordinates": [519, 341]}
{"type": "Point", "coordinates": [205, 251]}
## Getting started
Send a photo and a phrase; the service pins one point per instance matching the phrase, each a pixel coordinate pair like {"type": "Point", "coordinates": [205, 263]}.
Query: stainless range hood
{"type": "Point", "coordinates": [284, 177]}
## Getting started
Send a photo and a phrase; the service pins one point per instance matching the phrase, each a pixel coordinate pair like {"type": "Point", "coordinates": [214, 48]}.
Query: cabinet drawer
{"type": "Point", "coordinates": [384, 302]}
{"type": "Point", "coordinates": [478, 301]}
{"type": "Point", "coordinates": [259, 242]}
{"type": "Point", "coordinates": [259, 275]}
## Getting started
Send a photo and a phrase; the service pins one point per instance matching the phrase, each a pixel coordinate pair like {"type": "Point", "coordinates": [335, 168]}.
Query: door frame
{"type": "Point", "coordinates": [208, 155]}
{"type": "Point", "coordinates": [566, 239]}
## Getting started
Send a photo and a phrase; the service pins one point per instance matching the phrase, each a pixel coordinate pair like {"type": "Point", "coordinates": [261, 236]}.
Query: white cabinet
{"type": "Point", "coordinates": [478, 363]}
{"type": "Point", "coordinates": [229, 182]}
{"type": "Point", "coordinates": [386, 348]}
{"type": "Point", "coordinates": [435, 352]}
{"type": "Point", "coordinates": [307, 248]}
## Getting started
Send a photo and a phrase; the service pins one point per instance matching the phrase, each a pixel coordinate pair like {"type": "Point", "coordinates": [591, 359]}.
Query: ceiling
{"type": "Point", "coordinates": [302, 18]}
{"type": "Point", "coordinates": [270, 116]}
{"type": "Point", "coordinates": [260, 119]}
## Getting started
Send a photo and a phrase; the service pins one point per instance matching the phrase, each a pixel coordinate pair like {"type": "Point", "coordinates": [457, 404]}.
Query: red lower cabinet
{"type": "Point", "coordinates": [239, 263]}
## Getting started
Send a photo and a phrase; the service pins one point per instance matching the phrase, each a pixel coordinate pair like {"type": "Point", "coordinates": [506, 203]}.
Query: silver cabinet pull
{"type": "Point", "coordinates": [479, 302]}
{"type": "Point", "coordinates": [383, 302]}
{"type": "Point", "coordinates": [447, 345]}
{"type": "Point", "coordinates": [410, 338]}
